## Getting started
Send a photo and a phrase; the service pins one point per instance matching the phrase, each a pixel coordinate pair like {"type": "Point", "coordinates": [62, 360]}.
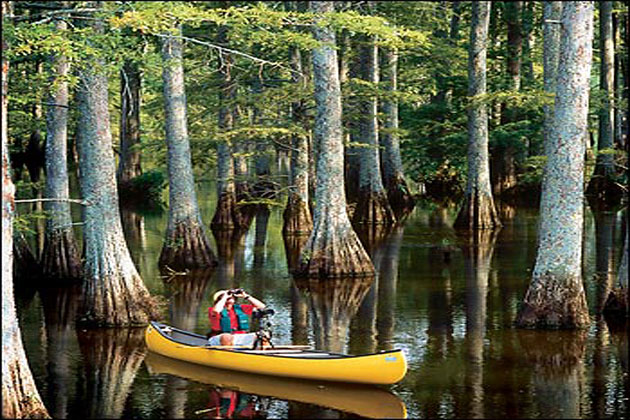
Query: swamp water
{"type": "Point", "coordinates": [448, 302]}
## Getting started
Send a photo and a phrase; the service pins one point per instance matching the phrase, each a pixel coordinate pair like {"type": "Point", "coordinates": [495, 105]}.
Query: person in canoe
{"type": "Point", "coordinates": [229, 321]}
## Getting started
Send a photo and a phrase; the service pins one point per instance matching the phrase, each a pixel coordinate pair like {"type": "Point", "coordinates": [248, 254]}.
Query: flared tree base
{"type": "Point", "coordinates": [478, 212]}
{"type": "Point", "coordinates": [373, 209]}
{"type": "Point", "coordinates": [20, 399]}
{"type": "Point", "coordinates": [603, 193]}
{"type": "Point", "coordinates": [400, 199]}
{"type": "Point", "coordinates": [60, 257]}
{"type": "Point", "coordinates": [334, 253]}
{"type": "Point", "coordinates": [187, 246]}
{"type": "Point", "coordinates": [116, 301]}
{"type": "Point", "coordinates": [297, 217]}
{"type": "Point", "coordinates": [554, 303]}
{"type": "Point", "coordinates": [617, 303]}
{"type": "Point", "coordinates": [228, 215]}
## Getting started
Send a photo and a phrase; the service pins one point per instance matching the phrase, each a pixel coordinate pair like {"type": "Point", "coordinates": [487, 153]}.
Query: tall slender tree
{"type": "Point", "coordinates": [555, 297]}
{"type": "Point", "coordinates": [227, 215]}
{"type": "Point", "coordinates": [20, 398]}
{"type": "Point", "coordinates": [394, 181]}
{"type": "Point", "coordinates": [187, 244]}
{"type": "Point", "coordinates": [129, 164]}
{"type": "Point", "coordinates": [374, 208]}
{"type": "Point", "coordinates": [113, 291]}
{"type": "Point", "coordinates": [551, 54]}
{"type": "Point", "coordinates": [333, 248]}
{"type": "Point", "coordinates": [478, 210]}
{"type": "Point", "coordinates": [60, 257]}
{"type": "Point", "coordinates": [297, 214]}
{"type": "Point", "coordinates": [602, 184]}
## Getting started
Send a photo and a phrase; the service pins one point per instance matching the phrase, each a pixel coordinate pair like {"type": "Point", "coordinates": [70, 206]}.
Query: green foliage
{"type": "Point", "coordinates": [532, 171]}
{"type": "Point", "coordinates": [145, 188]}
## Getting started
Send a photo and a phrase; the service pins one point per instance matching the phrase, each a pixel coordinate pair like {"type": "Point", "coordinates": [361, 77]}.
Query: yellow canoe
{"type": "Point", "coordinates": [385, 368]}
{"type": "Point", "coordinates": [363, 400]}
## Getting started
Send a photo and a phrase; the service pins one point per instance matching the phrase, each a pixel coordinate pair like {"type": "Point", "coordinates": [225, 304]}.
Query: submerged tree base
{"type": "Point", "coordinates": [60, 258]}
{"type": "Point", "coordinates": [617, 303]}
{"type": "Point", "coordinates": [477, 212]}
{"type": "Point", "coordinates": [554, 303]}
{"type": "Point", "coordinates": [228, 215]}
{"type": "Point", "coordinates": [334, 254]}
{"type": "Point", "coordinates": [108, 305]}
{"type": "Point", "coordinates": [400, 199]}
{"type": "Point", "coordinates": [373, 209]}
{"type": "Point", "coordinates": [20, 399]}
{"type": "Point", "coordinates": [297, 217]}
{"type": "Point", "coordinates": [187, 246]}
{"type": "Point", "coordinates": [604, 193]}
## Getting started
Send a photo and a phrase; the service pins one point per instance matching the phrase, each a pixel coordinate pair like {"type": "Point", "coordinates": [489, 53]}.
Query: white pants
{"type": "Point", "coordinates": [239, 339]}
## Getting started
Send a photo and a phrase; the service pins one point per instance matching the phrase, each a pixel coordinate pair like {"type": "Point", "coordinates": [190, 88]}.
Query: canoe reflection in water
{"type": "Point", "coordinates": [227, 403]}
{"type": "Point", "coordinates": [363, 400]}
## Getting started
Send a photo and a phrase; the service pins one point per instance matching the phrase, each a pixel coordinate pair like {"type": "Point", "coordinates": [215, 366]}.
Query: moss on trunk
{"type": "Point", "coordinates": [297, 217]}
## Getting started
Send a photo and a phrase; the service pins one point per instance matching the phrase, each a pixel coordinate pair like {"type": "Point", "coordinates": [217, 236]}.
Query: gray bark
{"type": "Point", "coordinates": [556, 298]}
{"type": "Point", "coordinates": [374, 208]}
{"type": "Point", "coordinates": [20, 398]}
{"type": "Point", "coordinates": [478, 210]}
{"type": "Point", "coordinates": [187, 243]}
{"type": "Point", "coordinates": [129, 165]}
{"type": "Point", "coordinates": [393, 176]}
{"type": "Point", "coordinates": [605, 166]}
{"type": "Point", "coordinates": [113, 293]}
{"type": "Point", "coordinates": [60, 257]}
{"type": "Point", "coordinates": [297, 215]}
{"type": "Point", "coordinates": [227, 215]}
{"type": "Point", "coordinates": [551, 53]}
{"type": "Point", "coordinates": [333, 248]}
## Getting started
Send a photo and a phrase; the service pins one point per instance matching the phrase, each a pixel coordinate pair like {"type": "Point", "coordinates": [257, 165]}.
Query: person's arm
{"type": "Point", "coordinates": [257, 304]}
{"type": "Point", "coordinates": [218, 307]}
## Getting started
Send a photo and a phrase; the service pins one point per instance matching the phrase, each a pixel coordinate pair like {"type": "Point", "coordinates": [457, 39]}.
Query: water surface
{"type": "Point", "coordinates": [448, 301]}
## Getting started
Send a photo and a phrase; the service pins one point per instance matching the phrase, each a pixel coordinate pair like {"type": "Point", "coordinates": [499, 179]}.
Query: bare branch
{"type": "Point", "coordinates": [64, 200]}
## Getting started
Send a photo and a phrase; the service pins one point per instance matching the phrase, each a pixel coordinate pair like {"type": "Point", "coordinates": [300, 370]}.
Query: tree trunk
{"type": "Point", "coordinates": [333, 248]}
{"type": "Point", "coordinates": [297, 214]}
{"type": "Point", "coordinates": [374, 208]}
{"type": "Point", "coordinates": [186, 244]}
{"type": "Point", "coordinates": [528, 43]}
{"type": "Point", "coordinates": [398, 192]}
{"type": "Point", "coordinates": [113, 292]}
{"type": "Point", "coordinates": [503, 162]}
{"type": "Point", "coordinates": [227, 215]}
{"type": "Point", "coordinates": [602, 185]}
{"type": "Point", "coordinates": [618, 303]}
{"type": "Point", "coordinates": [556, 298]}
{"type": "Point", "coordinates": [478, 210]}
{"type": "Point", "coordinates": [551, 53]}
{"type": "Point", "coordinates": [129, 163]}
{"type": "Point", "coordinates": [20, 398]}
{"type": "Point", "coordinates": [60, 256]}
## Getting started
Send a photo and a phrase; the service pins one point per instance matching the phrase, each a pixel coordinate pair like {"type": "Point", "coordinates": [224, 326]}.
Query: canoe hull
{"type": "Point", "coordinates": [381, 368]}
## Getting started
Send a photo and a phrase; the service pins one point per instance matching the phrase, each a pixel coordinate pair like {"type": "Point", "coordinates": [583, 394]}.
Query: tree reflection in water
{"type": "Point", "coordinates": [60, 307]}
{"type": "Point", "coordinates": [556, 359]}
{"type": "Point", "coordinates": [333, 303]}
{"type": "Point", "coordinates": [112, 357]}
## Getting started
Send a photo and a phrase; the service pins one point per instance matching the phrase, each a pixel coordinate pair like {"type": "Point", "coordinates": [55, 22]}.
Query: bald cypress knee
{"type": "Point", "coordinates": [555, 297]}
{"type": "Point", "coordinates": [478, 210]}
{"type": "Point", "coordinates": [60, 256]}
{"type": "Point", "coordinates": [333, 248]}
{"type": "Point", "coordinates": [186, 244]}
